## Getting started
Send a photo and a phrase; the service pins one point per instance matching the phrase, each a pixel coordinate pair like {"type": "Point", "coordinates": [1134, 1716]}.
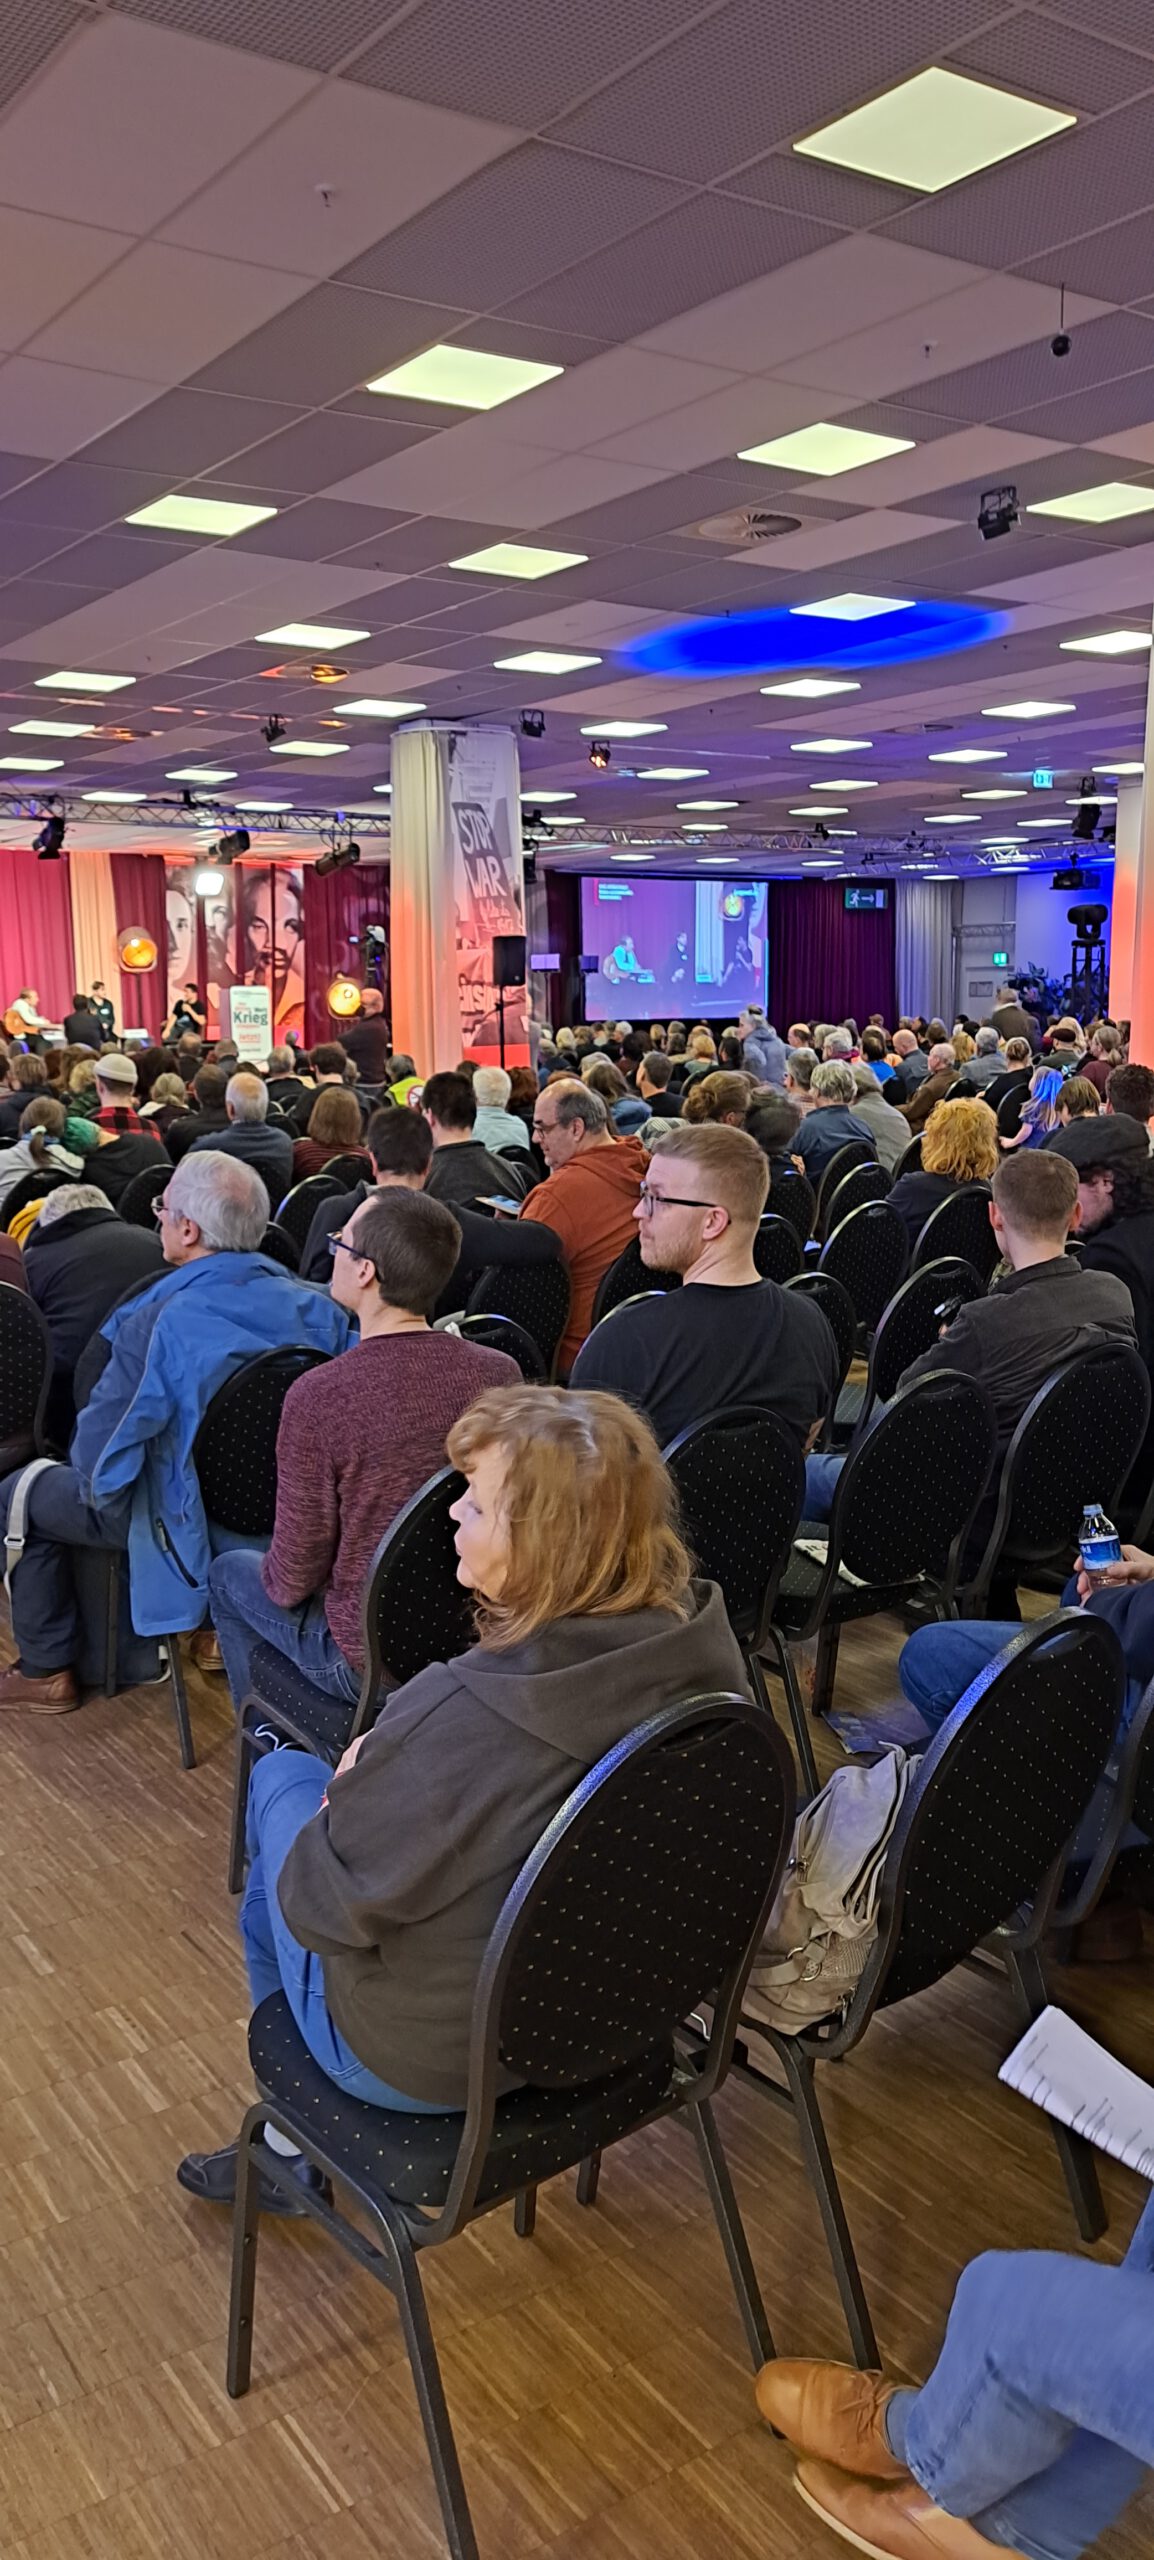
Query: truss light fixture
{"type": "Point", "coordinates": [218, 519]}
{"type": "Point", "coordinates": [519, 560]}
{"type": "Point", "coordinates": [66, 681]}
{"type": "Point", "coordinates": [1025, 710]}
{"type": "Point", "coordinates": [813, 688]}
{"type": "Point", "coordinates": [825, 450]}
{"type": "Point", "coordinates": [545, 662]}
{"type": "Point", "coordinates": [463, 377]}
{"type": "Point", "coordinates": [53, 728]}
{"type": "Point", "coordinates": [852, 607]}
{"type": "Point", "coordinates": [1108, 644]}
{"type": "Point", "coordinates": [933, 130]}
{"type": "Point", "coordinates": [623, 728]}
{"type": "Point", "coordinates": [309, 747]}
{"type": "Point", "coordinates": [1106, 504]}
{"type": "Point", "coordinates": [209, 881]}
{"type": "Point", "coordinates": [312, 635]}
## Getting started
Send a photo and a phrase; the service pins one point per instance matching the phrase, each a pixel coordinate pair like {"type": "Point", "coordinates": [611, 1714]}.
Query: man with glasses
{"type": "Point", "coordinates": [590, 1196]}
{"type": "Point", "coordinates": [726, 1336]}
{"type": "Point", "coordinates": [357, 1438]}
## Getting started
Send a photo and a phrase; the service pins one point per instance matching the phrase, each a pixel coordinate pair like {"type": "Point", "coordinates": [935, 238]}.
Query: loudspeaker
{"type": "Point", "coordinates": [508, 959]}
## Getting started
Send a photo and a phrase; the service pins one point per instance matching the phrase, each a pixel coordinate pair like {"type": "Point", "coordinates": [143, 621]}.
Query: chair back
{"type": "Point", "coordinates": [994, 1802]}
{"type": "Point", "coordinates": [33, 1186]}
{"type": "Point", "coordinates": [1076, 1443]}
{"type": "Point", "coordinates": [909, 1489]}
{"type": "Point", "coordinates": [280, 1246]}
{"type": "Point", "coordinates": [740, 1479]}
{"type": "Point", "coordinates": [961, 1228]}
{"type": "Point", "coordinates": [627, 1277]}
{"type": "Point", "coordinates": [416, 1611]}
{"type": "Point", "coordinates": [855, 1151]}
{"type": "Point", "coordinates": [868, 1253]}
{"type": "Point", "coordinates": [532, 1294]}
{"type": "Point", "coordinates": [347, 1170]}
{"type": "Point", "coordinates": [910, 1159]}
{"type": "Point", "coordinates": [499, 1333]}
{"type": "Point", "coordinates": [1009, 1114]}
{"type": "Point", "coordinates": [862, 1182]}
{"type": "Point", "coordinates": [137, 1197]}
{"type": "Point", "coordinates": [912, 1322]}
{"type": "Point", "coordinates": [234, 1452]}
{"type": "Point", "coordinates": [836, 1305]}
{"type": "Point", "coordinates": [25, 1374]}
{"type": "Point", "coordinates": [777, 1249]}
{"type": "Point", "coordinates": [792, 1196]}
{"type": "Point", "coordinates": [299, 1206]}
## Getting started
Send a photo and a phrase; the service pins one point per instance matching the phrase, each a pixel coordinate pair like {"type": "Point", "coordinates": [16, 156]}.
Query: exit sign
{"type": "Point", "coordinates": [1043, 778]}
{"type": "Point", "coordinates": [1000, 959]}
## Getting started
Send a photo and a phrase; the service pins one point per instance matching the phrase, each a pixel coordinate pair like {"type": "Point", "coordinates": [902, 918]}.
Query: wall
{"type": "Point", "coordinates": [1019, 913]}
{"type": "Point", "coordinates": [1043, 933]}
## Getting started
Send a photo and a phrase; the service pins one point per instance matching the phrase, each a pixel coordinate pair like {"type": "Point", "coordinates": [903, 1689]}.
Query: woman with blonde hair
{"type": "Point", "coordinates": [373, 1891]}
{"type": "Point", "coordinates": [723, 1095]}
{"type": "Point", "coordinates": [334, 1130]}
{"type": "Point", "coordinates": [959, 1146]}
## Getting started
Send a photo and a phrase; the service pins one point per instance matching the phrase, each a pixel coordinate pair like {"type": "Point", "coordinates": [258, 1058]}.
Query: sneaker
{"type": "Point", "coordinates": [211, 2177]}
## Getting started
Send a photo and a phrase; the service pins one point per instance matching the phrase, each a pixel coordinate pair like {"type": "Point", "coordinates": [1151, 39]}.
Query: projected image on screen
{"type": "Point", "coordinates": [674, 947]}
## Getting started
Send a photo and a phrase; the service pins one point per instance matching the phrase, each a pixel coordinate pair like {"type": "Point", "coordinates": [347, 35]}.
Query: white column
{"type": "Point", "coordinates": [1127, 843]}
{"type": "Point", "coordinates": [1142, 980]}
{"type": "Point", "coordinates": [456, 884]}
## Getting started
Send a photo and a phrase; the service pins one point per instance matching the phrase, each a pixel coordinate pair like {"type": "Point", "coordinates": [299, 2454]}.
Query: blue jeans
{"type": "Point", "coordinates": [244, 1617]}
{"type": "Point", "coordinates": [1037, 2423]}
{"type": "Point", "coordinates": [821, 1475]}
{"type": "Point", "coordinates": [284, 1792]}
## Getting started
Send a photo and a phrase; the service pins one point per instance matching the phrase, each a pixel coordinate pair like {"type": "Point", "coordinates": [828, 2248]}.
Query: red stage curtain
{"type": "Point", "coordinates": [826, 960]}
{"type": "Point", "coordinates": [335, 908]}
{"type": "Point", "coordinates": [36, 931]}
{"type": "Point", "coordinates": [138, 888]}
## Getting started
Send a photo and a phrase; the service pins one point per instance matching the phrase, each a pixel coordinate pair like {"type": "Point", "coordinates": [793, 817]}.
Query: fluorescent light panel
{"type": "Point", "coordinates": [538, 798]}
{"type": "Point", "coordinates": [812, 688]}
{"type": "Point", "coordinates": [1025, 710]}
{"type": "Point", "coordinates": [201, 773]}
{"type": "Point", "coordinates": [709, 804]}
{"type": "Point", "coordinates": [53, 728]}
{"type": "Point", "coordinates": [1108, 644]}
{"type": "Point", "coordinates": [623, 728]}
{"type": "Point", "coordinates": [969, 755]}
{"type": "Point", "coordinates": [820, 809]}
{"type": "Point", "coordinates": [312, 635]}
{"type": "Point", "coordinates": [545, 662]}
{"type": "Point", "coordinates": [118, 796]}
{"type": "Point", "coordinates": [995, 795]}
{"type": "Point", "coordinates": [369, 708]}
{"type": "Point", "coordinates": [1118, 768]}
{"type": "Point", "coordinates": [848, 782]}
{"type": "Point", "coordinates": [1106, 504]}
{"type": "Point", "coordinates": [673, 773]}
{"type": "Point", "coordinates": [30, 764]}
{"type": "Point", "coordinates": [308, 747]}
{"type": "Point", "coordinates": [825, 450]}
{"type": "Point", "coordinates": [829, 746]}
{"type": "Point", "coordinates": [463, 377]}
{"type": "Point", "coordinates": [215, 517]}
{"type": "Point", "coordinates": [852, 607]}
{"type": "Point", "coordinates": [934, 129]}
{"type": "Point", "coordinates": [66, 681]}
{"type": "Point", "coordinates": [264, 804]}
{"type": "Point", "coordinates": [519, 560]}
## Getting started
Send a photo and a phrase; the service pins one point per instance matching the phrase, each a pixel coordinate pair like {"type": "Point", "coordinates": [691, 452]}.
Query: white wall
{"type": "Point", "coordinates": [1018, 913]}
{"type": "Point", "coordinates": [1043, 934]}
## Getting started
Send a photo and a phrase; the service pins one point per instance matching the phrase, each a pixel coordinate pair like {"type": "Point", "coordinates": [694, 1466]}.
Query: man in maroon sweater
{"type": "Point", "coordinates": [357, 1437]}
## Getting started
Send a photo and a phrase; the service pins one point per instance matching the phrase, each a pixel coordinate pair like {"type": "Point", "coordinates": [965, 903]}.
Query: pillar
{"type": "Point", "coordinates": [1142, 978]}
{"type": "Point", "coordinates": [1127, 840]}
{"type": "Point", "coordinates": [456, 885]}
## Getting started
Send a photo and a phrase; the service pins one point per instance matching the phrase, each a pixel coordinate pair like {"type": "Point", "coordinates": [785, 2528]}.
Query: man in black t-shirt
{"type": "Point", "coordinates": [726, 1336]}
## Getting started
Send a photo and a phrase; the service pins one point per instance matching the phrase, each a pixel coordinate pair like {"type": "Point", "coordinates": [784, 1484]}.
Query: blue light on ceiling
{"type": "Point", "coordinates": [774, 640]}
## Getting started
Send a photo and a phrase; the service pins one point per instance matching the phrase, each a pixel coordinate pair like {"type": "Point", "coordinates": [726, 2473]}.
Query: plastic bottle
{"type": "Point", "coordinates": [1099, 1544]}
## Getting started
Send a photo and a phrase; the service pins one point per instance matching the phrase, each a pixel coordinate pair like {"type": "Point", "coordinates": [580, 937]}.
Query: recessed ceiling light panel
{"type": "Point", "coordinates": [1106, 504]}
{"type": "Point", "coordinates": [308, 747]}
{"type": "Point", "coordinates": [519, 560]}
{"type": "Point", "coordinates": [995, 795]}
{"type": "Point", "coordinates": [53, 728]}
{"type": "Point", "coordinates": [709, 804]}
{"type": "Point", "coordinates": [369, 708]}
{"type": "Point", "coordinates": [825, 450]}
{"type": "Point", "coordinates": [670, 773]}
{"type": "Point", "coordinates": [933, 130]}
{"type": "Point", "coordinates": [545, 662]}
{"type": "Point", "coordinates": [119, 796]}
{"type": "Point", "coordinates": [813, 688]}
{"type": "Point", "coordinates": [312, 635]}
{"type": "Point", "coordinates": [1108, 644]}
{"type": "Point", "coordinates": [31, 764]}
{"type": "Point", "coordinates": [538, 798]}
{"type": "Point", "coordinates": [463, 377]}
{"type": "Point", "coordinates": [852, 607]}
{"type": "Point", "coordinates": [969, 755]}
{"type": "Point", "coordinates": [201, 773]}
{"type": "Point", "coordinates": [66, 681]}
{"type": "Point", "coordinates": [820, 809]}
{"type": "Point", "coordinates": [1025, 710]}
{"type": "Point", "coordinates": [829, 746]}
{"type": "Point", "coordinates": [216, 518]}
{"type": "Point", "coordinates": [623, 728]}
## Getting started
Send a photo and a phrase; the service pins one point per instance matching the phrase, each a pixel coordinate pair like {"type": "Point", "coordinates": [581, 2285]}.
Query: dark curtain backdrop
{"type": "Point", "coordinates": [138, 888]}
{"type": "Point", "coordinates": [825, 960]}
{"type": "Point", "coordinates": [36, 931]}
{"type": "Point", "coordinates": [335, 908]}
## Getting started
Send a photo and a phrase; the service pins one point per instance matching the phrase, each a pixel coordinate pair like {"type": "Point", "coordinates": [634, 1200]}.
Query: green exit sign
{"type": "Point", "coordinates": [1001, 959]}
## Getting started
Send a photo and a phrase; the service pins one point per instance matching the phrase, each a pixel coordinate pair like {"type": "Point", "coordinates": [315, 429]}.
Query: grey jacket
{"type": "Point", "coordinates": [1013, 1339]}
{"type": "Point", "coordinates": [765, 1055]}
{"type": "Point", "coordinates": [398, 1881]}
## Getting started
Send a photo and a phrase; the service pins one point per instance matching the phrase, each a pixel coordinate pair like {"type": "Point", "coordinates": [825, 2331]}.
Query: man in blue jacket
{"type": "Point", "coordinates": [131, 1482]}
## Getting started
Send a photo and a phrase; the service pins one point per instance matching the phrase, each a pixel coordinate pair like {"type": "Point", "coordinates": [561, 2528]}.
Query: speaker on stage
{"type": "Point", "coordinates": [509, 960]}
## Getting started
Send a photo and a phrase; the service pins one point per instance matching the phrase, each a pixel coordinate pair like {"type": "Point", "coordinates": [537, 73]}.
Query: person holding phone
{"type": "Point", "coordinates": [462, 1170]}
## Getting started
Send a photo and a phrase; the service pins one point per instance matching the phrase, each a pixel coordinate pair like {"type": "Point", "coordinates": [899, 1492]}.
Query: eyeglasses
{"type": "Point", "coordinates": [337, 1245]}
{"type": "Point", "coordinates": [651, 1200]}
{"type": "Point", "coordinates": [160, 1207]}
{"type": "Point", "coordinates": [541, 1128]}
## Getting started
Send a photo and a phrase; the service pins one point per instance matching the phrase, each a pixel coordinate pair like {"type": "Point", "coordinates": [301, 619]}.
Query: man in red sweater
{"type": "Point", "coordinates": [358, 1436]}
{"type": "Point", "coordinates": [590, 1196]}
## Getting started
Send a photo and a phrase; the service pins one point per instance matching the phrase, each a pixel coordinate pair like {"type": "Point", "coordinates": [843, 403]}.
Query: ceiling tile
{"type": "Point", "coordinates": [185, 432]}
{"type": "Point", "coordinates": [1135, 444]}
{"type": "Point", "coordinates": [1080, 180]}
{"type": "Point", "coordinates": [329, 445]}
{"type": "Point", "coordinates": [425, 542]}
{"type": "Point", "coordinates": [53, 409]}
{"type": "Point", "coordinates": [1104, 409]}
{"type": "Point", "coordinates": [704, 249]}
{"type": "Point", "coordinates": [612, 392]}
{"type": "Point", "coordinates": [505, 230]}
{"type": "Point", "coordinates": [840, 287]}
{"type": "Point", "coordinates": [276, 30]}
{"type": "Point", "coordinates": [923, 352]}
{"type": "Point", "coordinates": [29, 36]}
{"type": "Point", "coordinates": [119, 154]}
{"type": "Point", "coordinates": [559, 487]}
{"type": "Point", "coordinates": [1063, 66]}
{"type": "Point", "coordinates": [824, 546]}
{"type": "Point", "coordinates": [44, 264]}
{"type": "Point", "coordinates": [213, 579]}
{"type": "Point", "coordinates": [16, 468]}
{"type": "Point", "coordinates": [332, 341]}
{"type": "Point", "coordinates": [714, 431]}
{"type": "Point", "coordinates": [1003, 385]}
{"type": "Point", "coordinates": [1128, 21]}
{"type": "Point", "coordinates": [810, 186]}
{"type": "Point", "coordinates": [311, 531]}
{"type": "Point", "coordinates": [381, 159]}
{"type": "Point", "coordinates": [104, 560]}
{"type": "Point", "coordinates": [166, 311]}
{"type": "Point", "coordinates": [1116, 263]}
{"type": "Point", "coordinates": [459, 53]}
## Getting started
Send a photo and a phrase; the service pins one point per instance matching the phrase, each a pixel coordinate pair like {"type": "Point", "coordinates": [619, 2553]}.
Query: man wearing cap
{"type": "Point", "coordinates": [125, 1145]}
{"type": "Point", "coordinates": [1115, 1172]}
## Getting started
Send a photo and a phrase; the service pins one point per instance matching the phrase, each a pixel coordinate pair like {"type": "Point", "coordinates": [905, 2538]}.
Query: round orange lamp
{"type": "Point", "coordinates": [138, 952]}
{"type": "Point", "coordinates": [343, 998]}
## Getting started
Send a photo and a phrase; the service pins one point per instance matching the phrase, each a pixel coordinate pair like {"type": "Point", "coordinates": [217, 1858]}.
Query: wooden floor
{"type": "Point", "coordinates": [596, 2374]}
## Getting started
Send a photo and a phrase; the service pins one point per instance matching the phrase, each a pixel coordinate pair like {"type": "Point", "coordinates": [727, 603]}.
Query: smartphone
{"type": "Point", "coordinates": [501, 1208]}
{"type": "Point", "coordinates": [949, 1308]}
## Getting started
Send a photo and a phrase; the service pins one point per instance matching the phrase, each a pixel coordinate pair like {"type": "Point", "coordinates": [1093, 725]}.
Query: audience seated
{"type": "Point", "coordinates": [250, 1136]}
{"type": "Point", "coordinates": [126, 1145]}
{"type": "Point", "coordinates": [1014, 1080]}
{"type": "Point", "coordinates": [400, 1145]}
{"type": "Point", "coordinates": [886, 1126]}
{"type": "Point", "coordinates": [83, 1028]}
{"type": "Point", "coordinates": [912, 1066]}
{"type": "Point", "coordinates": [874, 1048]}
{"type": "Point", "coordinates": [653, 1083]}
{"type": "Point", "coordinates": [763, 1054]}
{"type": "Point", "coordinates": [941, 1070]}
{"type": "Point", "coordinates": [167, 1102]}
{"type": "Point", "coordinates": [462, 1170]}
{"type": "Point", "coordinates": [726, 1336]}
{"type": "Point", "coordinates": [1115, 1208]}
{"type": "Point", "coordinates": [720, 1096]}
{"type": "Point", "coordinates": [1038, 1117]}
{"type": "Point", "coordinates": [1045, 1310]}
{"type": "Point", "coordinates": [356, 1439]}
{"type": "Point", "coordinates": [959, 1146]}
{"type": "Point", "coordinates": [208, 1116]}
{"type": "Point", "coordinates": [1105, 1053]}
{"type": "Point", "coordinates": [799, 1071]}
{"type": "Point", "coordinates": [773, 1121]}
{"type": "Point", "coordinates": [1011, 1021]}
{"type": "Point", "coordinates": [372, 1893]}
{"type": "Point", "coordinates": [27, 1076]}
{"type": "Point", "coordinates": [41, 1146]}
{"type": "Point", "coordinates": [285, 1086]}
{"type": "Point", "coordinates": [1077, 1099]}
{"type": "Point", "coordinates": [987, 1065]}
{"type": "Point", "coordinates": [130, 1481]}
{"type": "Point", "coordinates": [334, 1130]}
{"type": "Point", "coordinates": [495, 1124]}
{"type": "Point", "coordinates": [80, 1258]}
{"type": "Point", "coordinates": [327, 1065]}
{"type": "Point", "coordinates": [1066, 1044]}
{"type": "Point", "coordinates": [588, 1199]}
{"type": "Point", "coordinates": [366, 1040]}
{"type": "Point", "coordinates": [149, 1064]}
{"type": "Point", "coordinates": [832, 1122]}
{"type": "Point", "coordinates": [1130, 1091]}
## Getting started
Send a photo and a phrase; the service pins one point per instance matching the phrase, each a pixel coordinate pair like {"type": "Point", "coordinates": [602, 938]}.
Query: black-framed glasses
{"type": "Point", "coordinates": [336, 1244]}
{"type": "Point", "coordinates": [651, 1200]}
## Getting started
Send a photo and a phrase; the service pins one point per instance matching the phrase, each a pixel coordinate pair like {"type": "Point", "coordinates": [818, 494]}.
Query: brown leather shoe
{"type": "Point", "coordinates": [831, 2411]}
{"type": "Point", "coordinates": [890, 2524]}
{"type": "Point", "coordinates": [205, 1651]}
{"type": "Point", "coordinates": [54, 1695]}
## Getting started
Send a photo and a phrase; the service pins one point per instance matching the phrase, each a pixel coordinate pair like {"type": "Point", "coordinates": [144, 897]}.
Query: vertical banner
{"type": "Point", "coordinates": [270, 921]}
{"type": "Point", "coordinates": [246, 1017]}
{"type": "Point", "coordinates": [180, 908]}
{"type": "Point", "coordinates": [456, 885]}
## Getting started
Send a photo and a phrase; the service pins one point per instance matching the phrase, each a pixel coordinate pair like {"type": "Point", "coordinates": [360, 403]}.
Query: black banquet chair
{"type": "Point", "coordinates": [138, 1196]}
{"type": "Point", "coordinates": [499, 1333]}
{"type": "Point", "coordinates": [983, 1830]}
{"type": "Point", "coordinates": [626, 1278]}
{"type": "Point", "coordinates": [837, 1307]}
{"type": "Point", "coordinates": [791, 1195]}
{"type": "Point", "coordinates": [347, 1170]}
{"type": "Point", "coordinates": [280, 1246]}
{"type": "Point", "coordinates": [740, 1479]}
{"type": "Point", "coordinates": [299, 1206]}
{"type": "Point", "coordinates": [862, 1182]}
{"type": "Point", "coordinates": [904, 1502]}
{"type": "Point", "coordinates": [1076, 1443]}
{"type": "Point", "coordinates": [532, 1294]}
{"type": "Point", "coordinates": [33, 1186]}
{"type": "Point", "coordinates": [868, 1252]}
{"type": "Point", "coordinates": [607, 1940]}
{"type": "Point", "coordinates": [855, 1151]}
{"type": "Point", "coordinates": [415, 1612]}
{"type": "Point", "coordinates": [961, 1229]}
{"type": "Point", "coordinates": [25, 1377]}
{"type": "Point", "coordinates": [910, 1159]}
{"type": "Point", "coordinates": [777, 1249]}
{"type": "Point", "coordinates": [910, 1325]}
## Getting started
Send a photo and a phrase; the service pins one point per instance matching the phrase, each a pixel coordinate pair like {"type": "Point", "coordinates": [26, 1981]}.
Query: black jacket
{"type": "Point", "coordinates": [192, 1125]}
{"type": "Point", "coordinates": [1013, 1340]}
{"type": "Point", "coordinates": [1125, 1246]}
{"type": "Point", "coordinates": [915, 1196]}
{"type": "Point", "coordinates": [76, 1269]}
{"type": "Point", "coordinates": [265, 1149]}
{"type": "Point", "coordinates": [369, 1046]}
{"type": "Point", "coordinates": [112, 1167]}
{"type": "Point", "coordinates": [83, 1031]}
{"type": "Point", "coordinates": [462, 1175]}
{"type": "Point", "coordinates": [483, 1241]}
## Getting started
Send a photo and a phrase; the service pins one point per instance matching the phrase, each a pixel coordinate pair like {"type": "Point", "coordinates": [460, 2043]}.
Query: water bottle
{"type": "Point", "coordinates": [1098, 1545]}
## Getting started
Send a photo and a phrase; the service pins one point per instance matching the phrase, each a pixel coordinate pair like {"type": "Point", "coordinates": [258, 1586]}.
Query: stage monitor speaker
{"type": "Point", "coordinates": [509, 960]}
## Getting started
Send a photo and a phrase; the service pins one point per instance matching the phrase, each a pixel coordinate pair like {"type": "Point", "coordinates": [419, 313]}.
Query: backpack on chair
{"type": "Point", "coordinates": [824, 1920]}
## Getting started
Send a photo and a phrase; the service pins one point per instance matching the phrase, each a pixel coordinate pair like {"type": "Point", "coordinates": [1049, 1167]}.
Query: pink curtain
{"type": "Point", "coordinates": [36, 931]}
{"type": "Point", "coordinates": [336, 908]}
{"type": "Point", "coordinates": [138, 887]}
{"type": "Point", "coordinates": [827, 960]}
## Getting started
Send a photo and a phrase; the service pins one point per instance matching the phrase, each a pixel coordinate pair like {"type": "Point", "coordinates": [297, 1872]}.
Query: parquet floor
{"type": "Point", "coordinates": [595, 2374]}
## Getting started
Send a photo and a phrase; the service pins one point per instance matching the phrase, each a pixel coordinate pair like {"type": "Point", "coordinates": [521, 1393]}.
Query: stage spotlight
{"type": "Point", "coordinates": [601, 754]}
{"type": "Point", "coordinates": [998, 512]}
{"type": "Point", "coordinates": [209, 881]}
{"type": "Point", "coordinates": [228, 846]}
{"type": "Point", "coordinates": [272, 729]}
{"type": "Point", "coordinates": [50, 840]}
{"type": "Point", "coordinates": [336, 858]}
{"type": "Point", "coordinates": [532, 724]}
